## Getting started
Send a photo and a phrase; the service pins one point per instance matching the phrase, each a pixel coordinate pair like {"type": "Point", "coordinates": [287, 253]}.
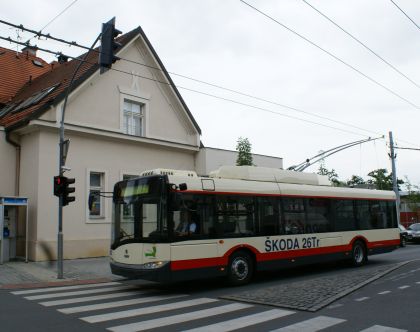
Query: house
{"type": "Point", "coordinates": [120, 123]}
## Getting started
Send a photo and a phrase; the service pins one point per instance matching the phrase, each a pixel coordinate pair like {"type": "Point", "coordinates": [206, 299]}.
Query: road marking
{"type": "Point", "coordinates": [52, 289]}
{"type": "Point", "coordinates": [82, 292]}
{"type": "Point", "coordinates": [176, 319]}
{"type": "Point", "coordinates": [117, 304]}
{"type": "Point", "coordinates": [384, 292]}
{"type": "Point", "coordinates": [333, 306]}
{"type": "Point", "coordinates": [147, 310]}
{"type": "Point", "coordinates": [380, 328]}
{"type": "Point", "coordinates": [244, 321]}
{"type": "Point", "coordinates": [90, 298]}
{"type": "Point", "coordinates": [404, 287]}
{"type": "Point", "coordinates": [362, 299]}
{"type": "Point", "coordinates": [311, 325]}
{"type": "Point", "coordinates": [417, 282]}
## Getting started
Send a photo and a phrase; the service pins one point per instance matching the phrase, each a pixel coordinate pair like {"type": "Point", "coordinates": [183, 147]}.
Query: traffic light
{"type": "Point", "coordinates": [68, 190]}
{"type": "Point", "coordinates": [58, 185]}
{"type": "Point", "coordinates": [108, 45]}
{"type": "Point", "coordinates": [62, 188]}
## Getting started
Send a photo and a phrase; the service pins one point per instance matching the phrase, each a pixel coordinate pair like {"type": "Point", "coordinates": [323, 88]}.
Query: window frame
{"type": "Point", "coordinates": [144, 117]}
{"type": "Point", "coordinates": [104, 215]}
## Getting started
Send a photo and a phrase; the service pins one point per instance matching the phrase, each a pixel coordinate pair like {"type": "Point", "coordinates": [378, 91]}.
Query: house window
{"type": "Point", "coordinates": [96, 186]}
{"type": "Point", "coordinates": [133, 118]}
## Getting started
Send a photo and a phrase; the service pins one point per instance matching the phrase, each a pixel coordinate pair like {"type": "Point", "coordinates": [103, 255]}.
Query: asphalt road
{"type": "Point", "coordinates": [390, 303]}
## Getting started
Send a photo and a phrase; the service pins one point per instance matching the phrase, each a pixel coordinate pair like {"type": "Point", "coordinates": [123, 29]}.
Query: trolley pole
{"type": "Point", "coordinates": [393, 156]}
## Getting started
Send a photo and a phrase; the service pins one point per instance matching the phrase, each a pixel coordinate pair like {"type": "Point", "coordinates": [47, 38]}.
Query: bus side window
{"type": "Point", "coordinates": [268, 216]}
{"type": "Point", "coordinates": [294, 215]}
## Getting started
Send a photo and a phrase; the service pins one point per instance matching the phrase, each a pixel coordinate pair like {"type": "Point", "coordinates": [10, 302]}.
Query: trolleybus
{"type": "Point", "coordinates": [246, 219]}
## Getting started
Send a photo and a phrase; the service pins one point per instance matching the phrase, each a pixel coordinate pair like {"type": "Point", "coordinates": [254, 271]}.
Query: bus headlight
{"type": "Point", "coordinates": [153, 265]}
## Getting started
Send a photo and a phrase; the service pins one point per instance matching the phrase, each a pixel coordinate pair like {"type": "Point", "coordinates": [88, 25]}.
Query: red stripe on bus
{"type": "Point", "coordinates": [279, 195]}
{"type": "Point", "coordinates": [189, 264]}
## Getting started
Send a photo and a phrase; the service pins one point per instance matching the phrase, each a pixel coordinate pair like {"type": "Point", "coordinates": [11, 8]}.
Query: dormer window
{"type": "Point", "coordinates": [133, 118]}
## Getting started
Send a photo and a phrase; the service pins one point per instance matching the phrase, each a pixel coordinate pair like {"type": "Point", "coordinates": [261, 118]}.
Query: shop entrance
{"type": "Point", "coordinates": [13, 229]}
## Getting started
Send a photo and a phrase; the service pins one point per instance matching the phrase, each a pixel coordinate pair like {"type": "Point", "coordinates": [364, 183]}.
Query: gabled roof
{"type": "Point", "coordinates": [35, 97]}
{"type": "Point", "coordinates": [18, 68]}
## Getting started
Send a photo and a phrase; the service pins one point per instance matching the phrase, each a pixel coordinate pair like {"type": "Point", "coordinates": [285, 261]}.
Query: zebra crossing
{"type": "Point", "coordinates": [118, 307]}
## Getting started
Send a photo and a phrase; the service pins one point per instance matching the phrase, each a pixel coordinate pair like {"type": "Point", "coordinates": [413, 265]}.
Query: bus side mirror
{"type": "Point", "coordinates": [91, 200]}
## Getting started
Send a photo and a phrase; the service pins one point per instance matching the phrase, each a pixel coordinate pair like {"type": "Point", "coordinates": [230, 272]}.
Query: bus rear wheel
{"type": "Point", "coordinates": [241, 268]}
{"type": "Point", "coordinates": [358, 254]}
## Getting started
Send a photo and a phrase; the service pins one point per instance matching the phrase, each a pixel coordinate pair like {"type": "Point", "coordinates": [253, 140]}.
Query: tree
{"type": "Point", "coordinates": [381, 180]}
{"type": "Point", "coordinates": [332, 175]}
{"type": "Point", "coordinates": [356, 181]}
{"type": "Point", "coordinates": [243, 147]}
{"type": "Point", "coordinates": [413, 197]}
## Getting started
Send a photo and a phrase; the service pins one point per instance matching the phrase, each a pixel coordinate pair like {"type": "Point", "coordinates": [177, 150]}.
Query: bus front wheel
{"type": "Point", "coordinates": [359, 254]}
{"type": "Point", "coordinates": [241, 268]}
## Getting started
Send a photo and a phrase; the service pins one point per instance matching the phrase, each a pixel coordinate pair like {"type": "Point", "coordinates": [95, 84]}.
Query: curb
{"type": "Point", "coordinates": [46, 284]}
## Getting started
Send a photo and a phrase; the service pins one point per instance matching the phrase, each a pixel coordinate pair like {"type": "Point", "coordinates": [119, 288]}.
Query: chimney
{"type": "Point", "coordinates": [29, 50]}
{"type": "Point", "coordinates": [62, 58]}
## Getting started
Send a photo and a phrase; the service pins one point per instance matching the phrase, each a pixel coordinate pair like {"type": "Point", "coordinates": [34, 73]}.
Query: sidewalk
{"type": "Point", "coordinates": [44, 274]}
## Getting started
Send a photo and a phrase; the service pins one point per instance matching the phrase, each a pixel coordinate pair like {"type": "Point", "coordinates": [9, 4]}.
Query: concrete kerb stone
{"type": "Point", "coordinates": [302, 303]}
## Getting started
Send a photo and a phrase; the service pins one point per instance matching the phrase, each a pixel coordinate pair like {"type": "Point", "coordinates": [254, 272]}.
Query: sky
{"type": "Point", "coordinates": [335, 90]}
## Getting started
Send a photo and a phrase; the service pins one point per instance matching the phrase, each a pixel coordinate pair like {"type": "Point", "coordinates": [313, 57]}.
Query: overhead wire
{"type": "Point", "coordinates": [361, 43]}
{"type": "Point", "coordinates": [332, 55]}
{"type": "Point", "coordinates": [193, 90]}
{"type": "Point", "coordinates": [405, 14]}
{"type": "Point", "coordinates": [73, 43]}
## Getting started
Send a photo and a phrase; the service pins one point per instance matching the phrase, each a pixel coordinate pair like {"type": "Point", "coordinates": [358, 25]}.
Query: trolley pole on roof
{"type": "Point", "coordinates": [393, 156]}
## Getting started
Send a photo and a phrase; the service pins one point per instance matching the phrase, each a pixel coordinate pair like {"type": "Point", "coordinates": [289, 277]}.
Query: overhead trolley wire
{"type": "Point", "coordinates": [405, 14]}
{"type": "Point", "coordinates": [361, 43]}
{"type": "Point", "coordinates": [201, 92]}
{"type": "Point", "coordinates": [332, 55]}
{"type": "Point", "coordinates": [73, 43]}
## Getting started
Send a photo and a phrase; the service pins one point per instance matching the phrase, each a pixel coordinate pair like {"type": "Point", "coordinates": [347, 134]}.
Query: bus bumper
{"type": "Point", "coordinates": [131, 271]}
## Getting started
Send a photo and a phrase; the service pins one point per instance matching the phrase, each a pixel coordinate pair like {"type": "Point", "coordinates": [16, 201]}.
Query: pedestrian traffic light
{"type": "Point", "coordinates": [68, 190]}
{"type": "Point", "coordinates": [58, 185]}
{"type": "Point", "coordinates": [108, 45]}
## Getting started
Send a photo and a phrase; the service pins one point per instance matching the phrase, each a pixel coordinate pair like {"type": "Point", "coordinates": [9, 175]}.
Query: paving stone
{"type": "Point", "coordinates": [314, 294]}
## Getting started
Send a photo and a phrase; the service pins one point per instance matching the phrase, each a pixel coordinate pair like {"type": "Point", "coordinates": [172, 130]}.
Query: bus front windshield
{"type": "Point", "coordinates": [138, 212]}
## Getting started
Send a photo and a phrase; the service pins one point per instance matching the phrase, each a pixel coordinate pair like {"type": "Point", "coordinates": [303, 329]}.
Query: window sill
{"type": "Point", "coordinates": [97, 220]}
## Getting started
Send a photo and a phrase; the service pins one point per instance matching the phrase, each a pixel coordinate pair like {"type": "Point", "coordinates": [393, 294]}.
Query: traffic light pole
{"type": "Point", "coordinates": [61, 169]}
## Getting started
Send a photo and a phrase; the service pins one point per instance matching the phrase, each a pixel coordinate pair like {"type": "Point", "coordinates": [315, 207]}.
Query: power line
{"type": "Point", "coordinates": [405, 14]}
{"type": "Point", "coordinates": [57, 16]}
{"type": "Point", "coordinates": [361, 43]}
{"type": "Point", "coordinates": [193, 90]}
{"type": "Point", "coordinates": [73, 43]}
{"type": "Point", "coordinates": [332, 55]}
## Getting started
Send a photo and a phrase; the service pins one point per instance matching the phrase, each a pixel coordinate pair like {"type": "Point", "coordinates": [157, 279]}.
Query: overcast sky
{"type": "Point", "coordinates": [227, 43]}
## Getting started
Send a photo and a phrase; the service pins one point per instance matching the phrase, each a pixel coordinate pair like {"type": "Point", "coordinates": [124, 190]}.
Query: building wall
{"type": "Point", "coordinates": [7, 166]}
{"type": "Point", "coordinates": [210, 159]}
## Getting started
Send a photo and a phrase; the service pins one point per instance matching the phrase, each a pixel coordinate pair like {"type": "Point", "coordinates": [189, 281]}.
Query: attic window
{"type": "Point", "coordinates": [35, 99]}
{"type": "Point", "coordinates": [38, 63]}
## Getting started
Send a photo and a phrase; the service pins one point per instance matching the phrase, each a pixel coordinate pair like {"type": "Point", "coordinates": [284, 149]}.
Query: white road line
{"type": "Point", "coordinates": [311, 325]}
{"type": "Point", "coordinates": [362, 299]}
{"type": "Point", "coordinates": [176, 319]}
{"type": "Point", "coordinates": [244, 321]}
{"type": "Point", "coordinates": [52, 289]}
{"type": "Point", "coordinates": [379, 328]}
{"type": "Point", "coordinates": [333, 306]}
{"type": "Point", "coordinates": [147, 310]}
{"type": "Point", "coordinates": [404, 287]}
{"type": "Point", "coordinates": [417, 282]}
{"type": "Point", "coordinates": [90, 298]}
{"type": "Point", "coordinates": [117, 304]}
{"type": "Point", "coordinates": [82, 292]}
{"type": "Point", "coordinates": [384, 292]}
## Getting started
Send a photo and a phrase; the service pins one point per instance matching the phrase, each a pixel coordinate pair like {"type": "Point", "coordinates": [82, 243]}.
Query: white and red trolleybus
{"type": "Point", "coordinates": [246, 219]}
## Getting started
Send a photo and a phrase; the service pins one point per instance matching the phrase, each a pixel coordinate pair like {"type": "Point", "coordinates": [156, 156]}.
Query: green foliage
{"type": "Point", "coordinates": [356, 181]}
{"type": "Point", "coordinates": [381, 180]}
{"type": "Point", "coordinates": [243, 147]}
{"type": "Point", "coordinates": [413, 197]}
{"type": "Point", "coordinates": [332, 175]}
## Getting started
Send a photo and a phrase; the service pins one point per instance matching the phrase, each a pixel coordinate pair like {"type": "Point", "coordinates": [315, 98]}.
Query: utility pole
{"type": "Point", "coordinates": [393, 156]}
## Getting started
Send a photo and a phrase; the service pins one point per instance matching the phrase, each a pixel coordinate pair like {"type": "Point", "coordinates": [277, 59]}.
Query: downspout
{"type": "Point", "coordinates": [17, 147]}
